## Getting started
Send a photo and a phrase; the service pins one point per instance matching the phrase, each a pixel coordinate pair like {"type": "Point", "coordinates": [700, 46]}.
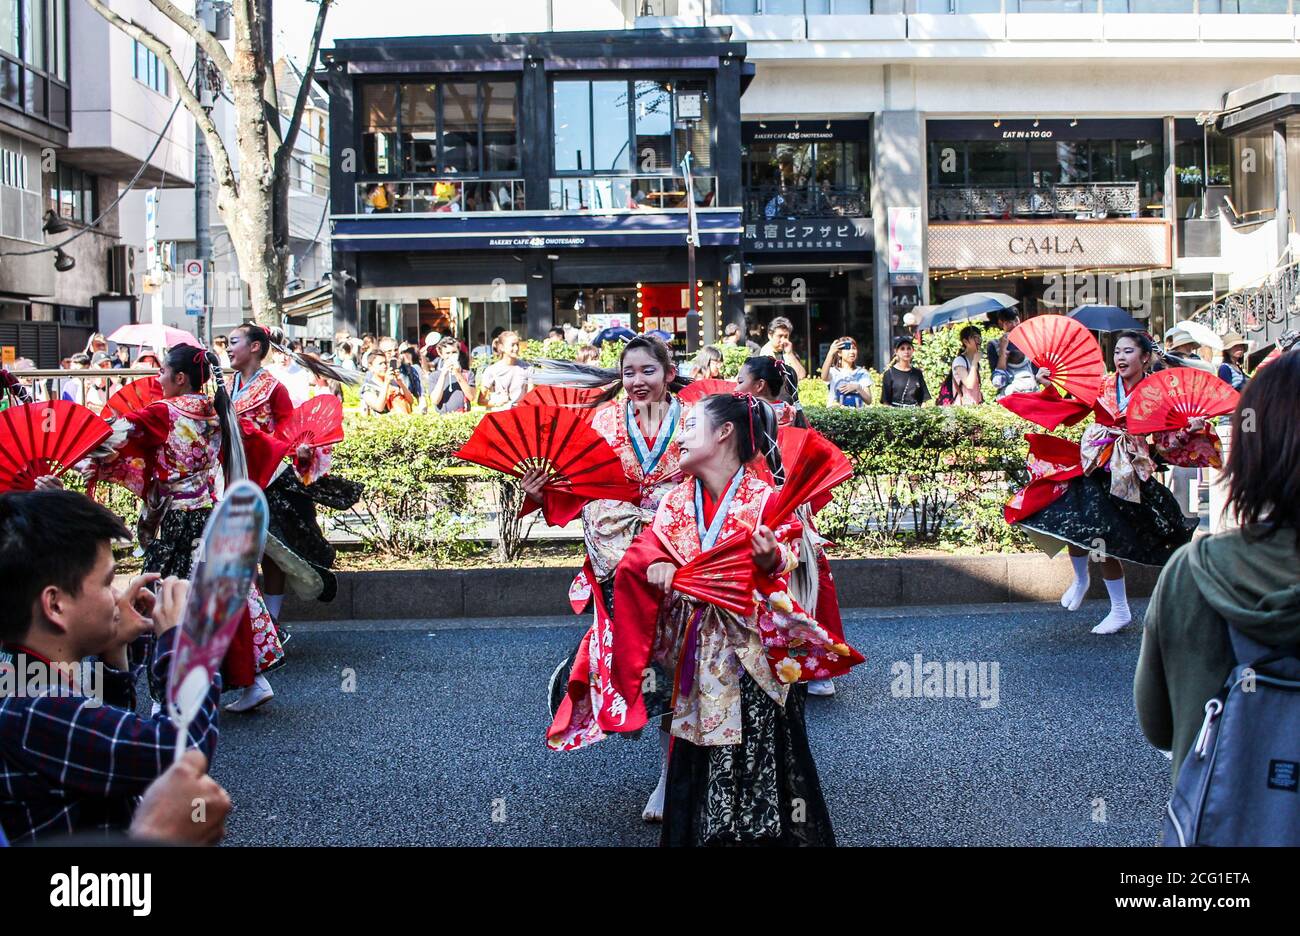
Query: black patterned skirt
{"type": "Point", "coordinates": [292, 508]}
{"type": "Point", "coordinates": [170, 552]}
{"type": "Point", "coordinates": [763, 791]}
{"type": "Point", "coordinates": [1088, 516]}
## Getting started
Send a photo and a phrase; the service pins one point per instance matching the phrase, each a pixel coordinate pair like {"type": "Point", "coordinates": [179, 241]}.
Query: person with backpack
{"type": "Point", "coordinates": [962, 385]}
{"type": "Point", "coordinates": [1218, 679]}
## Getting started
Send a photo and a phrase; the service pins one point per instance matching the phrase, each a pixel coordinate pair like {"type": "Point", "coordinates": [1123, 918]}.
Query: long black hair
{"type": "Point", "coordinates": [201, 367]}
{"type": "Point", "coordinates": [573, 374]}
{"type": "Point", "coordinates": [1263, 470]}
{"type": "Point", "coordinates": [755, 427]}
{"type": "Point", "coordinates": [781, 380]}
{"type": "Point", "coordinates": [270, 338]}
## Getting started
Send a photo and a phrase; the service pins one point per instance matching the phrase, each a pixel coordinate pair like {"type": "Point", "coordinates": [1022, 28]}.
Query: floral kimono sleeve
{"type": "Point", "coordinates": [1187, 449]}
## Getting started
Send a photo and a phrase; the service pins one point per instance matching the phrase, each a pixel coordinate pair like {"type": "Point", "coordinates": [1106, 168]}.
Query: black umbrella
{"type": "Point", "coordinates": [613, 333]}
{"type": "Point", "coordinates": [1105, 318]}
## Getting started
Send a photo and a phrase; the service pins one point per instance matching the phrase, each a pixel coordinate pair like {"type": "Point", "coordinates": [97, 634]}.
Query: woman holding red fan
{"type": "Point", "coordinates": [168, 454]}
{"type": "Point", "coordinates": [1100, 497]}
{"type": "Point", "coordinates": [740, 771]}
{"type": "Point", "coordinates": [643, 430]}
{"type": "Point", "coordinates": [295, 546]}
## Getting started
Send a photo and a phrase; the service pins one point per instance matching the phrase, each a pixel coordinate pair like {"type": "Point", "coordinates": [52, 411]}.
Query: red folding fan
{"type": "Point", "coordinates": [557, 439]}
{"type": "Point", "coordinates": [132, 397]}
{"type": "Point", "coordinates": [578, 398]}
{"type": "Point", "coordinates": [697, 390]}
{"type": "Point", "coordinates": [45, 439]}
{"type": "Point", "coordinates": [319, 421]}
{"type": "Point", "coordinates": [722, 576]}
{"type": "Point", "coordinates": [1169, 398]}
{"type": "Point", "coordinates": [814, 466]}
{"type": "Point", "coordinates": [1067, 349]}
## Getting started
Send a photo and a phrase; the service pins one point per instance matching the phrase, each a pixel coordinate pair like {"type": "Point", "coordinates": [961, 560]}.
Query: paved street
{"type": "Point", "coordinates": [443, 734]}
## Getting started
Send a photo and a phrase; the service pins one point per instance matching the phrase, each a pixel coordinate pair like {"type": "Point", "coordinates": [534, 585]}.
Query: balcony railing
{"type": "Point", "coordinates": [771, 203]}
{"type": "Point", "coordinates": [619, 193]}
{"type": "Point", "coordinates": [1090, 200]}
{"type": "Point", "coordinates": [432, 195]}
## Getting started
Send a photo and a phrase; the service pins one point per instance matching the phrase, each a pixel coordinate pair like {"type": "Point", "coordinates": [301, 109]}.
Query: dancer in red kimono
{"type": "Point", "coordinates": [1099, 497]}
{"type": "Point", "coordinates": [296, 549]}
{"type": "Point", "coordinates": [643, 429]}
{"type": "Point", "coordinates": [740, 771]}
{"type": "Point", "coordinates": [776, 383]}
{"type": "Point", "coordinates": [169, 454]}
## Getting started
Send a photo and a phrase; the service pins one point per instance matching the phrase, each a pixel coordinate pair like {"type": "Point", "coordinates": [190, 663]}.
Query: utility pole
{"type": "Point", "coordinates": [206, 15]}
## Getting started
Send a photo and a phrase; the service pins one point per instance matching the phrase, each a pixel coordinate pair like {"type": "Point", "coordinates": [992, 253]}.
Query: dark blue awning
{"type": "Point", "coordinates": [522, 231]}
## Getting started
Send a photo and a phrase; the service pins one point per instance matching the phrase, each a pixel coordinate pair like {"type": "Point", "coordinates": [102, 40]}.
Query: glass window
{"type": "Point", "coordinates": [571, 119]}
{"type": "Point", "coordinates": [460, 142]}
{"type": "Point", "coordinates": [59, 31]}
{"type": "Point", "coordinates": [654, 126]}
{"type": "Point", "coordinates": [10, 17]}
{"type": "Point", "coordinates": [500, 127]}
{"type": "Point", "coordinates": [854, 6]}
{"type": "Point", "coordinates": [419, 128]}
{"type": "Point", "coordinates": [609, 112]}
{"type": "Point", "coordinates": [1103, 161]}
{"type": "Point", "coordinates": [996, 162]}
{"type": "Point", "coordinates": [34, 19]}
{"type": "Point", "coordinates": [1253, 189]}
{"type": "Point", "coordinates": [378, 120]}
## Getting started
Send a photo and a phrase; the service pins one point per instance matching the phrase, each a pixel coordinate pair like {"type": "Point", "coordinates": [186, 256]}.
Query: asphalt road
{"type": "Point", "coordinates": [441, 740]}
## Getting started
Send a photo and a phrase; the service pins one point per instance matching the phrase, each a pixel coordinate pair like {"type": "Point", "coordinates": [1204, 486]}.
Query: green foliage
{"type": "Point", "coordinates": [732, 358]}
{"type": "Point", "coordinates": [417, 498]}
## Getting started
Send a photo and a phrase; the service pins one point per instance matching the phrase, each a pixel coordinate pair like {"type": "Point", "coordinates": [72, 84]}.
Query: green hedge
{"type": "Point", "coordinates": [931, 475]}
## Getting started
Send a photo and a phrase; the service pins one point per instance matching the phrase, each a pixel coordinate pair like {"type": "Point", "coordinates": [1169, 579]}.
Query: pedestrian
{"type": "Point", "coordinates": [1099, 498]}
{"type": "Point", "coordinates": [773, 381]}
{"type": "Point", "coordinates": [779, 344]}
{"type": "Point", "coordinates": [1241, 583]}
{"type": "Point", "coordinates": [67, 766]}
{"type": "Point", "coordinates": [847, 384]}
{"type": "Point", "coordinates": [707, 364]}
{"type": "Point", "coordinates": [409, 368]}
{"type": "Point", "coordinates": [643, 429]}
{"type": "Point", "coordinates": [504, 381]}
{"type": "Point", "coordinates": [451, 383]}
{"type": "Point", "coordinates": [587, 354]}
{"type": "Point", "coordinates": [903, 384]}
{"type": "Point", "coordinates": [97, 390]}
{"type": "Point", "coordinates": [1231, 369]}
{"type": "Point", "coordinates": [121, 357]}
{"type": "Point", "coordinates": [1010, 371]}
{"type": "Point", "coordinates": [222, 348]}
{"type": "Point", "coordinates": [964, 374]}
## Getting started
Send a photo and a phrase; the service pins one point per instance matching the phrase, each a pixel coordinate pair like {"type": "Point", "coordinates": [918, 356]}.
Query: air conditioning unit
{"type": "Point", "coordinates": [121, 270]}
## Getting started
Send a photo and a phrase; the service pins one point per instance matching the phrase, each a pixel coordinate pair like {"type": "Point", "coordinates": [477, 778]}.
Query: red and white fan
{"type": "Point", "coordinates": [722, 576]}
{"type": "Point", "coordinates": [560, 441]}
{"type": "Point", "coordinates": [45, 439]}
{"type": "Point", "coordinates": [1169, 398]}
{"type": "Point", "coordinates": [578, 398]}
{"type": "Point", "coordinates": [317, 422]}
{"type": "Point", "coordinates": [697, 390]}
{"type": "Point", "coordinates": [814, 467]}
{"type": "Point", "coordinates": [1067, 349]}
{"type": "Point", "coordinates": [131, 397]}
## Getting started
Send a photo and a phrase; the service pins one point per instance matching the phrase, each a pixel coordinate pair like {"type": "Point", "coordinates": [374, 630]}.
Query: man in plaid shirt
{"type": "Point", "coordinates": [69, 764]}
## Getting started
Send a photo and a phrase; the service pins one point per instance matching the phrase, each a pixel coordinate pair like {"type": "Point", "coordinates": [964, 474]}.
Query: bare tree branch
{"type": "Point", "coordinates": [220, 157]}
{"type": "Point", "coordinates": [191, 24]}
{"type": "Point", "coordinates": [304, 92]}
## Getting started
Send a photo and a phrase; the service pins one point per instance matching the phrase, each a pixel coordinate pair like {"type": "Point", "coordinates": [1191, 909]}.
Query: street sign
{"type": "Point", "coordinates": [193, 287]}
{"type": "Point", "coordinates": [8, 354]}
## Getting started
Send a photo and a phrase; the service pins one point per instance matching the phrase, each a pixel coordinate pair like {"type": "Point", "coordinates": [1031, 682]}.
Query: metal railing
{"type": "Point", "coordinates": [771, 203]}
{"type": "Point", "coordinates": [1270, 305]}
{"type": "Point", "coordinates": [450, 194]}
{"type": "Point", "coordinates": [1091, 200]}
{"type": "Point", "coordinates": [616, 193]}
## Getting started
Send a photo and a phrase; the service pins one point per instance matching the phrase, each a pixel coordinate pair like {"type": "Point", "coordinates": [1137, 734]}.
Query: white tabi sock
{"type": "Point", "coordinates": [1119, 616]}
{"type": "Point", "coordinates": [1074, 595]}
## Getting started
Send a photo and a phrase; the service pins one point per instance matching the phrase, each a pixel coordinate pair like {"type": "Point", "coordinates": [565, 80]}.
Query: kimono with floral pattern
{"type": "Point", "coordinates": [264, 403]}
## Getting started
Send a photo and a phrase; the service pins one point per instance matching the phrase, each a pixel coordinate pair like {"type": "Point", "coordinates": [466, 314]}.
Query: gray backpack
{"type": "Point", "coordinates": [1240, 783]}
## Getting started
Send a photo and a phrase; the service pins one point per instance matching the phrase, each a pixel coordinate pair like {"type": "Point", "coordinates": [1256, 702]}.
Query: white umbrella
{"type": "Point", "coordinates": [1201, 334]}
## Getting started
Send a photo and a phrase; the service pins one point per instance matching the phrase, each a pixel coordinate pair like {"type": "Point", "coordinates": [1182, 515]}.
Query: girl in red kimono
{"type": "Point", "coordinates": [169, 454]}
{"type": "Point", "coordinates": [643, 429]}
{"type": "Point", "coordinates": [1099, 498]}
{"type": "Point", "coordinates": [296, 549]}
{"type": "Point", "coordinates": [776, 383]}
{"type": "Point", "coordinates": [740, 771]}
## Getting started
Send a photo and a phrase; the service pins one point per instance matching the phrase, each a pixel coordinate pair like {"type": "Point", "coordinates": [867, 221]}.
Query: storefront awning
{"type": "Point", "coordinates": [719, 227]}
{"type": "Point", "coordinates": [301, 306]}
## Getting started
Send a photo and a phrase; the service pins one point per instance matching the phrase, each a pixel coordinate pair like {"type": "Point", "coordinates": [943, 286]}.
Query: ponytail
{"type": "Point", "coordinates": [573, 374]}
{"type": "Point", "coordinates": [274, 338]}
{"type": "Point", "coordinates": [782, 383]}
{"type": "Point", "coordinates": [201, 368]}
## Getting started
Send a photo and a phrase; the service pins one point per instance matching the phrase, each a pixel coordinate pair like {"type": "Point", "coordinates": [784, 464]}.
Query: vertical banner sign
{"type": "Point", "coordinates": [219, 586]}
{"type": "Point", "coordinates": [193, 287]}
{"type": "Point", "coordinates": [905, 242]}
{"type": "Point", "coordinates": [152, 263]}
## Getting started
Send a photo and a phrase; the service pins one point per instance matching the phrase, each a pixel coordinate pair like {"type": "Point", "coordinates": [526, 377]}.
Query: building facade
{"type": "Point", "coordinates": [890, 154]}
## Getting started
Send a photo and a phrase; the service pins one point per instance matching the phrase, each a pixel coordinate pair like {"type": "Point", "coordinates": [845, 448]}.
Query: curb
{"type": "Point", "coordinates": [861, 583]}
